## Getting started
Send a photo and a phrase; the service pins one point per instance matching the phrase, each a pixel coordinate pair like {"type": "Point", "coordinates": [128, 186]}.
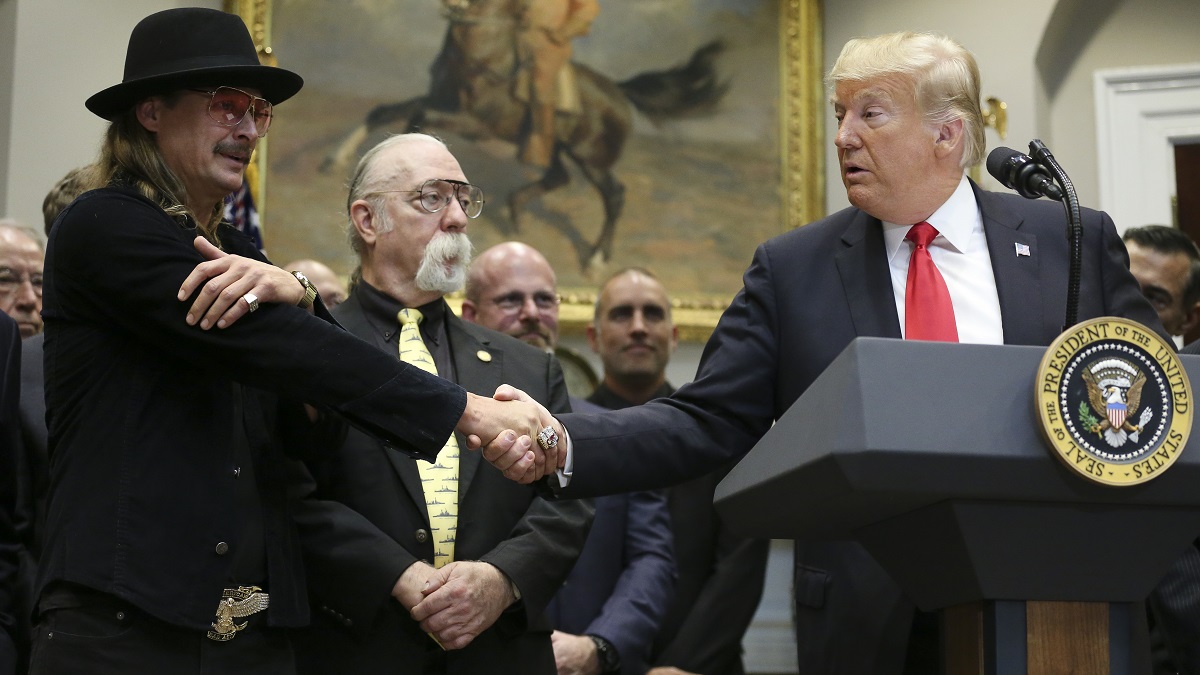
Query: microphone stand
{"type": "Point", "coordinates": [1041, 154]}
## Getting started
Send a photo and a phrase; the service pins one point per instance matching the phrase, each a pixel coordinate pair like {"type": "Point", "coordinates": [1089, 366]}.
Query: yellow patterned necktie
{"type": "Point", "coordinates": [439, 481]}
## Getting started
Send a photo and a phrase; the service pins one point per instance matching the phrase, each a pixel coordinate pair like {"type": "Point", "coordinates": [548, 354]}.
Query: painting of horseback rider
{"type": "Point", "coordinates": [525, 84]}
{"type": "Point", "coordinates": [546, 29]}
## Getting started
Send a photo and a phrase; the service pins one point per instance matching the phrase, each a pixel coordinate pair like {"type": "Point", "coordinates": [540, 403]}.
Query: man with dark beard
{"type": "Point", "coordinates": [499, 550]}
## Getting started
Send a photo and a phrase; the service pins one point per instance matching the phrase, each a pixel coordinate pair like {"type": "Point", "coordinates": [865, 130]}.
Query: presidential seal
{"type": "Point", "coordinates": [1114, 402]}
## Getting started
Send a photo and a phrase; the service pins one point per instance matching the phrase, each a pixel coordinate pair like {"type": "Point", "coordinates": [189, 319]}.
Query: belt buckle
{"type": "Point", "coordinates": [236, 603]}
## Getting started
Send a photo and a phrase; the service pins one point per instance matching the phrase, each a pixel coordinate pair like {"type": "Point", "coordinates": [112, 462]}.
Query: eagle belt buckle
{"type": "Point", "coordinates": [236, 603]}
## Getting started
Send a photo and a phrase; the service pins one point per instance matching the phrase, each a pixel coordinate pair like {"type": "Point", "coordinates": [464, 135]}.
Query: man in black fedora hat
{"type": "Point", "coordinates": [175, 360]}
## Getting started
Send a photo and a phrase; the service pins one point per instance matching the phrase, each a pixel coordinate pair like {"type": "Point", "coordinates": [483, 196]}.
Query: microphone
{"type": "Point", "coordinates": [1017, 171]}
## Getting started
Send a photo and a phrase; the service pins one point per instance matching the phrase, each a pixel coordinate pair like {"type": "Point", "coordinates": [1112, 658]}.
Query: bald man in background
{"type": "Point", "coordinates": [608, 611]}
{"type": "Point", "coordinates": [329, 285]}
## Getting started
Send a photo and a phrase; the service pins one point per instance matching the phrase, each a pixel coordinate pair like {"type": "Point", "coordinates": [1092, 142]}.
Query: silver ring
{"type": "Point", "coordinates": [547, 438]}
{"type": "Point", "coordinates": [252, 301]}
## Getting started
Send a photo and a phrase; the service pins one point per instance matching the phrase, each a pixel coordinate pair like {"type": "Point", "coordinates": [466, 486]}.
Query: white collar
{"type": "Point", "coordinates": [954, 220]}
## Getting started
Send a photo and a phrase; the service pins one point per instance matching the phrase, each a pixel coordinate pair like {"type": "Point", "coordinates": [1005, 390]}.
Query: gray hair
{"type": "Point", "coordinates": [369, 178]}
{"type": "Point", "coordinates": [17, 226]}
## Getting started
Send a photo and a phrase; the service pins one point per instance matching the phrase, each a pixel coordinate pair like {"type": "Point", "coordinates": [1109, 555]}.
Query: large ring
{"type": "Point", "coordinates": [252, 301]}
{"type": "Point", "coordinates": [547, 438]}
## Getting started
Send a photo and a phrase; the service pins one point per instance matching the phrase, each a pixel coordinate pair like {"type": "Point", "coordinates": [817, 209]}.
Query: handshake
{"type": "Point", "coordinates": [517, 434]}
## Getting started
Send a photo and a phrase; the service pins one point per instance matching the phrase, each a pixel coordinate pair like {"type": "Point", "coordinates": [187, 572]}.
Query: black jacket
{"type": "Point", "coordinates": [144, 415]}
{"type": "Point", "coordinates": [357, 546]}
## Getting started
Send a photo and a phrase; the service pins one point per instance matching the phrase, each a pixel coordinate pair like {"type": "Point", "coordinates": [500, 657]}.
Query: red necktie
{"type": "Point", "coordinates": [928, 312]}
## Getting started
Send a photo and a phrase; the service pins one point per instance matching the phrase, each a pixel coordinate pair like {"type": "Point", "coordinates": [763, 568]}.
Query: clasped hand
{"type": "Point", "coordinates": [510, 421]}
{"type": "Point", "coordinates": [455, 603]}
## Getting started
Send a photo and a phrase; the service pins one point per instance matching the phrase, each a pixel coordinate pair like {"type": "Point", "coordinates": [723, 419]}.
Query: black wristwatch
{"type": "Point", "coordinates": [610, 660]}
{"type": "Point", "coordinates": [310, 291]}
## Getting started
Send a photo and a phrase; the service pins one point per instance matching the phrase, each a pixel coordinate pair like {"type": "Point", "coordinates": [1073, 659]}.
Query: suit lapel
{"type": "Point", "coordinates": [866, 278]}
{"type": "Point", "coordinates": [353, 318]}
{"type": "Point", "coordinates": [475, 375]}
{"type": "Point", "coordinates": [1018, 277]}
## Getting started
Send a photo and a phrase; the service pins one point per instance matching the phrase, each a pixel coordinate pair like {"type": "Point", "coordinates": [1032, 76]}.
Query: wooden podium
{"type": "Point", "coordinates": [930, 455]}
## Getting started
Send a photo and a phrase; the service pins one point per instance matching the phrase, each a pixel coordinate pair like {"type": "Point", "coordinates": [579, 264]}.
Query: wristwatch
{"type": "Point", "coordinates": [310, 291]}
{"type": "Point", "coordinates": [610, 660]}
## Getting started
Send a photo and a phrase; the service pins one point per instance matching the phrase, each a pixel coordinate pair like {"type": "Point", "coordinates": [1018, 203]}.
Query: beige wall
{"type": "Point", "coordinates": [64, 51]}
{"type": "Point", "coordinates": [1134, 33]}
{"type": "Point", "coordinates": [8, 40]}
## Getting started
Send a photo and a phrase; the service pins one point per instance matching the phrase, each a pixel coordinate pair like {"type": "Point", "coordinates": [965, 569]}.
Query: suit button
{"type": "Point", "coordinates": [422, 536]}
{"type": "Point", "coordinates": [222, 548]}
{"type": "Point", "coordinates": [347, 623]}
{"type": "Point", "coordinates": [237, 471]}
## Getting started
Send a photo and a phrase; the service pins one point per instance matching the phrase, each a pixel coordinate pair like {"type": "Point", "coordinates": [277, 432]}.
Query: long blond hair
{"type": "Point", "coordinates": [129, 155]}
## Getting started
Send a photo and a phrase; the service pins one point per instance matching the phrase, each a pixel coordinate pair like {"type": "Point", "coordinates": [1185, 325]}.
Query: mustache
{"type": "Point", "coordinates": [234, 148]}
{"type": "Point", "coordinates": [447, 246]}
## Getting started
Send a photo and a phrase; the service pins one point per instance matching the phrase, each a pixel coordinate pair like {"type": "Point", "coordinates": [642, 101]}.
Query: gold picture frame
{"type": "Point", "coordinates": [801, 112]}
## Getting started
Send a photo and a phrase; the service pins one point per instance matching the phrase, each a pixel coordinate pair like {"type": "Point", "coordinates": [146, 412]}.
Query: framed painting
{"type": "Point", "coordinates": [691, 132]}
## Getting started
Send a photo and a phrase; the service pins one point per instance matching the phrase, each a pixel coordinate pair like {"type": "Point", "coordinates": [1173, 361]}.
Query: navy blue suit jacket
{"type": "Point", "coordinates": [624, 581]}
{"type": "Point", "coordinates": [806, 295]}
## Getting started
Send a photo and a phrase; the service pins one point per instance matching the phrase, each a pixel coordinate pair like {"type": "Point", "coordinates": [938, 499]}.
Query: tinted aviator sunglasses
{"type": "Point", "coordinates": [228, 107]}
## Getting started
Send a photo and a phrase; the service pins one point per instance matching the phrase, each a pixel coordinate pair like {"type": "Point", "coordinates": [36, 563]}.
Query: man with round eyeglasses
{"type": "Point", "coordinates": [511, 288]}
{"type": "Point", "coordinates": [176, 362]}
{"type": "Point", "coordinates": [436, 194]}
{"type": "Point", "coordinates": [445, 567]}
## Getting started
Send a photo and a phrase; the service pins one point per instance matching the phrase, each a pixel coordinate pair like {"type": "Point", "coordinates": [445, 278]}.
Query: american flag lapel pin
{"type": "Point", "coordinates": [1022, 250]}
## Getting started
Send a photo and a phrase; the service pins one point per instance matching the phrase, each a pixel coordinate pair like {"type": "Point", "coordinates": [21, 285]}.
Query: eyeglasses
{"type": "Point", "coordinates": [228, 107]}
{"type": "Point", "coordinates": [437, 193]}
{"type": "Point", "coordinates": [11, 280]}
{"type": "Point", "coordinates": [511, 302]}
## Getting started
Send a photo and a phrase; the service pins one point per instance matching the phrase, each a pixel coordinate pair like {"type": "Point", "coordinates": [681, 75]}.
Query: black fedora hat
{"type": "Point", "coordinates": [191, 46]}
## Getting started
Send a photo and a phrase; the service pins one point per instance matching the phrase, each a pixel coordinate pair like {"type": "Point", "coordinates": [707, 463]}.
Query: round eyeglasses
{"type": "Point", "coordinates": [228, 107]}
{"type": "Point", "coordinates": [438, 193]}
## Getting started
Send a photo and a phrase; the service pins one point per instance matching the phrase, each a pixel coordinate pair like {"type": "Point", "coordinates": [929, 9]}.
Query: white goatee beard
{"type": "Point", "coordinates": [444, 266]}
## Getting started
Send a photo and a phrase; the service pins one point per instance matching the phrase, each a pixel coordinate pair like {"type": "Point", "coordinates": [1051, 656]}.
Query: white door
{"type": "Point", "coordinates": [1141, 113]}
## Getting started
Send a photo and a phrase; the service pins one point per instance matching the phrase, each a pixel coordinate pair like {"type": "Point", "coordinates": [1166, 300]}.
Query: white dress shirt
{"type": "Point", "coordinates": [960, 252]}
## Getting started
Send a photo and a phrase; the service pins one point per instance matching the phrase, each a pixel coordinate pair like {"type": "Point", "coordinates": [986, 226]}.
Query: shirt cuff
{"type": "Point", "coordinates": [564, 474]}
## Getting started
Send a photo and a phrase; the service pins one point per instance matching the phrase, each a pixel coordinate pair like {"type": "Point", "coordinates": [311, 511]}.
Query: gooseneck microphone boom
{"type": "Point", "coordinates": [1017, 171]}
{"type": "Point", "coordinates": [1070, 201]}
{"type": "Point", "coordinates": [1040, 175]}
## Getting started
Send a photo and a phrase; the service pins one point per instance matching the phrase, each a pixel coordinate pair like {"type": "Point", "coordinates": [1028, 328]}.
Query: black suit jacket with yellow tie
{"type": "Point", "coordinates": [355, 555]}
{"type": "Point", "coordinates": [806, 295]}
